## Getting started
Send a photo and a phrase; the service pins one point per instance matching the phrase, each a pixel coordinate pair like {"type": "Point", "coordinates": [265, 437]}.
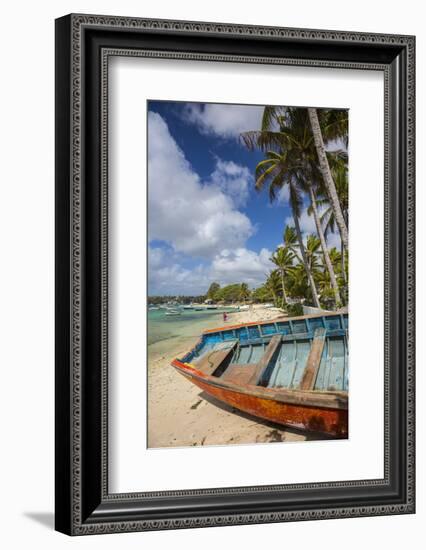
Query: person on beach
{"type": "Point", "coordinates": [225, 317]}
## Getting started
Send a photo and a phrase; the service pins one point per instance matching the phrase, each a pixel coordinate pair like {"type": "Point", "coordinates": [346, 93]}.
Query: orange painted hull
{"type": "Point", "coordinates": [331, 421]}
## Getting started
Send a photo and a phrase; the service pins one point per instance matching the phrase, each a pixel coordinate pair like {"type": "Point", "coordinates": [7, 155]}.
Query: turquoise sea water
{"type": "Point", "coordinates": [171, 335]}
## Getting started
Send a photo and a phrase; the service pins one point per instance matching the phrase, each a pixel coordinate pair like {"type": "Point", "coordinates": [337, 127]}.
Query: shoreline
{"type": "Point", "coordinates": [182, 415]}
{"type": "Point", "coordinates": [257, 313]}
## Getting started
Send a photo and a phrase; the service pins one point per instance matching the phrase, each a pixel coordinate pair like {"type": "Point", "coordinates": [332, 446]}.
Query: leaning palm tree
{"type": "Point", "coordinates": [310, 178]}
{"type": "Point", "coordinates": [283, 259]}
{"type": "Point", "coordinates": [296, 157]}
{"type": "Point", "coordinates": [328, 220]}
{"type": "Point", "coordinates": [327, 176]}
{"type": "Point", "coordinates": [327, 260]}
{"type": "Point", "coordinates": [277, 169]}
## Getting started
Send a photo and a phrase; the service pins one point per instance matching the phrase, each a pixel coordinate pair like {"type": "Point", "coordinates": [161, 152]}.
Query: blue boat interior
{"type": "Point", "coordinates": [277, 354]}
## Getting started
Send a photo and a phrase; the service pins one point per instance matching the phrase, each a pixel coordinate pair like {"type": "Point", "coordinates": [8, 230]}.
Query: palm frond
{"type": "Point", "coordinates": [276, 184]}
{"type": "Point", "coordinates": [260, 181]}
{"type": "Point", "coordinates": [262, 166]}
{"type": "Point", "coordinates": [264, 140]}
{"type": "Point", "coordinates": [273, 155]}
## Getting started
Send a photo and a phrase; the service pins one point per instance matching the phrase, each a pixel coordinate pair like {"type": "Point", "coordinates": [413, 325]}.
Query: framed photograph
{"type": "Point", "coordinates": [234, 274]}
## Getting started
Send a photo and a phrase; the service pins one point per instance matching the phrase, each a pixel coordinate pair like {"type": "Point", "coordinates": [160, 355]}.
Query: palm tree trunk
{"type": "Point", "coordinates": [274, 297]}
{"type": "Point", "coordinates": [327, 177]}
{"type": "Point", "coordinates": [284, 293]}
{"type": "Point", "coordinates": [305, 262]}
{"type": "Point", "coordinates": [327, 260]}
{"type": "Point", "coordinates": [343, 268]}
{"type": "Point", "coordinates": [342, 262]}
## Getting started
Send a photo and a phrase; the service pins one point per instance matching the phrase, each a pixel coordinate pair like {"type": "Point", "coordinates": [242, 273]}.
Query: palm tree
{"type": "Point", "coordinates": [313, 245]}
{"type": "Point", "coordinates": [298, 286]}
{"type": "Point", "coordinates": [283, 259]}
{"type": "Point", "coordinates": [323, 243]}
{"type": "Point", "coordinates": [295, 161]}
{"type": "Point", "coordinates": [272, 285]}
{"type": "Point", "coordinates": [327, 176]}
{"type": "Point", "coordinates": [244, 292]}
{"type": "Point", "coordinates": [336, 260]}
{"type": "Point", "coordinates": [328, 221]}
{"type": "Point", "coordinates": [290, 240]}
{"type": "Point", "coordinates": [279, 172]}
{"type": "Point", "coordinates": [321, 275]}
{"type": "Point", "coordinates": [323, 281]}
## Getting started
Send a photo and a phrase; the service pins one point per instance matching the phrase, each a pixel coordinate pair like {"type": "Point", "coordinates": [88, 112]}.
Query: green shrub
{"type": "Point", "coordinates": [294, 310]}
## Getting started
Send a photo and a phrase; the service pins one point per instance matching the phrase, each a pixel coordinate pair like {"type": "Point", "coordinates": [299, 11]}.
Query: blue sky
{"type": "Point", "coordinates": [206, 222]}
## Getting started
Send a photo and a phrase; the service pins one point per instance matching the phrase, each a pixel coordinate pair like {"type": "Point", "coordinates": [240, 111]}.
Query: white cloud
{"type": "Point", "coordinates": [168, 277]}
{"type": "Point", "coordinates": [197, 219]}
{"type": "Point", "coordinates": [226, 121]}
{"type": "Point", "coordinates": [336, 145]}
{"type": "Point", "coordinates": [233, 179]}
{"type": "Point", "coordinates": [333, 240]}
{"type": "Point", "coordinates": [283, 195]}
{"type": "Point", "coordinates": [307, 222]}
{"type": "Point", "coordinates": [242, 265]}
{"type": "Point", "coordinates": [194, 218]}
{"type": "Point", "coordinates": [156, 257]}
{"type": "Point", "coordinates": [175, 280]}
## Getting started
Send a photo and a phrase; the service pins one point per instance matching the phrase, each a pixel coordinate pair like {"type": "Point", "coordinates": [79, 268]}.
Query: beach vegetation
{"type": "Point", "coordinates": [244, 292]}
{"type": "Point", "coordinates": [213, 292]}
{"type": "Point", "coordinates": [283, 258]}
{"type": "Point", "coordinates": [229, 294]}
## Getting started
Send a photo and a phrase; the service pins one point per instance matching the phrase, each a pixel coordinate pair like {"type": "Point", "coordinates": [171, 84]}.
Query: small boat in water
{"type": "Point", "coordinates": [291, 371]}
{"type": "Point", "coordinates": [173, 312]}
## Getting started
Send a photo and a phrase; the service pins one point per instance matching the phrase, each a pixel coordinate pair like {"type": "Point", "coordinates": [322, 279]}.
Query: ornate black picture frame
{"type": "Point", "coordinates": [83, 45]}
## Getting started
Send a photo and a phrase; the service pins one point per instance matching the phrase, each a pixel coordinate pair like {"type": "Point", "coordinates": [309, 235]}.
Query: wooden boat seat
{"type": "Point", "coordinates": [251, 373]}
{"type": "Point", "coordinates": [219, 356]}
{"type": "Point", "coordinates": [239, 374]}
{"type": "Point", "coordinates": [314, 359]}
{"type": "Point", "coordinates": [265, 360]}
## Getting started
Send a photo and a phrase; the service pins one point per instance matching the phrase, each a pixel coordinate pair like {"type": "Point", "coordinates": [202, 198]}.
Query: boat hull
{"type": "Point", "coordinates": [266, 405]}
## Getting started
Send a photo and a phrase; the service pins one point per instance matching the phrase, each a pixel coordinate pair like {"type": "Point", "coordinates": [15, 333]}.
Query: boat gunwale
{"type": "Point", "coordinates": [306, 398]}
{"type": "Point", "coordinates": [275, 320]}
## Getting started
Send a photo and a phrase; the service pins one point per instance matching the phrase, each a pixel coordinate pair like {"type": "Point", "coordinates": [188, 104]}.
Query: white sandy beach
{"type": "Point", "coordinates": [180, 414]}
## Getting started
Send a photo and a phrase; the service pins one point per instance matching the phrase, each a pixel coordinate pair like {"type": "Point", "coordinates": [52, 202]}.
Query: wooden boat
{"type": "Point", "coordinates": [291, 371]}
